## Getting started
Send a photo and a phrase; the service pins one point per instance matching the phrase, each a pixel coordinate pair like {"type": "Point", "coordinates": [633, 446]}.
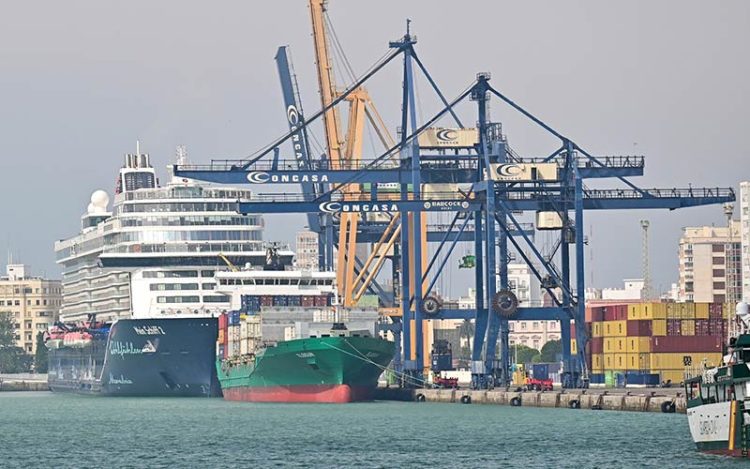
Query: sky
{"type": "Point", "coordinates": [81, 81]}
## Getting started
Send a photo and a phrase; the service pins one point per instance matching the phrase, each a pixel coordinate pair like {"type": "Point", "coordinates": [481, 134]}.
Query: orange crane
{"type": "Point", "coordinates": [347, 153]}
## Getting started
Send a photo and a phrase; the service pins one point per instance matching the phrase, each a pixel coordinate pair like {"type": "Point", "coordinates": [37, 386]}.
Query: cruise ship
{"type": "Point", "coordinates": [143, 272]}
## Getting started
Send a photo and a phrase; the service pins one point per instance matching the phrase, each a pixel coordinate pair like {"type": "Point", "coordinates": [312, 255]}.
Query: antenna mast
{"type": "Point", "coordinates": [647, 292]}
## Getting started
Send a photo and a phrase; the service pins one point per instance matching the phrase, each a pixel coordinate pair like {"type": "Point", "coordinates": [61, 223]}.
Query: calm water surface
{"type": "Point", "coordinates": [51, 430]}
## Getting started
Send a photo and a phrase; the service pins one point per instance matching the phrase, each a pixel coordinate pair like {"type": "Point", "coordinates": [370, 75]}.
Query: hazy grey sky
{"type": "Point", "coordinates": [80, 81]}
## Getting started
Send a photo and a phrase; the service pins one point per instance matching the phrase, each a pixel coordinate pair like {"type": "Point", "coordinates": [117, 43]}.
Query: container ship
{"type": "Point", "coordinates": [145, 271]}
{"type": "Point", "coordinates": [718, 398]}
{"type": "Point", "coordinates": [287, 341]}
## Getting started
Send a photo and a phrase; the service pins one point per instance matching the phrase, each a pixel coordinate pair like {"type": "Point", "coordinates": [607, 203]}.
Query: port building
{"type": "Point", "coordinates": [32, 302]}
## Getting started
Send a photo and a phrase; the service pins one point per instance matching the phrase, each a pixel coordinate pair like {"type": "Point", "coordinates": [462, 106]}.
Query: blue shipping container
{"type": "Point", "coordinates": [281, 300]}
{"type": "Point", "coordinates": [234, 318]}
{"type": "Point", "coordinates": [596, 378]}
{"type": "Point", "coordinates": [540, 370]}
{"type": "Point", "coordinates": [645, 379]}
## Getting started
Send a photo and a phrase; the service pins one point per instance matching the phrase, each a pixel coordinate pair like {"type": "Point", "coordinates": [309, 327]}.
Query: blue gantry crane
{"type": "Point", "coordinates": [490, 185]}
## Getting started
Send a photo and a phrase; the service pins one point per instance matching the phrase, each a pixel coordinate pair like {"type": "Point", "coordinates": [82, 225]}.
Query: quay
{"type": "Point", "coordinates": [663, 400]}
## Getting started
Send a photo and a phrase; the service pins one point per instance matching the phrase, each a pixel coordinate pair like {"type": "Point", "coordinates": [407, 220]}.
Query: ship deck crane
{"type": "Point", "coordinates": [501, 185]}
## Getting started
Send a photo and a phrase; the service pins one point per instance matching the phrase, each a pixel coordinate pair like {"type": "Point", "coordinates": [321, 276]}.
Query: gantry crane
{"type": "Point", "coordinates": [500, 185]}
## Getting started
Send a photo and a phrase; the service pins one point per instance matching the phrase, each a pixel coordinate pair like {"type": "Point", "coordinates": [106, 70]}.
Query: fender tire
{"type": "Point", "coordinates": [465, 399]}
{"type": "Point", "coordinates": [668, 407]}
{"type": "Point", "coordinates": [515, 402]}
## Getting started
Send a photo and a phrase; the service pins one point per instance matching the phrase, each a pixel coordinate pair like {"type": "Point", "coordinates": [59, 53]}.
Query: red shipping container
{"type": "Point", "coordinates": [321, 300]}
{"type": "Point", "coordinates": [639, 328]}
{"type": "Point", "coordinates": [674, 327]}
{"type": "Point", "coordinates": [308, 301]}
{"type": "Point", "coordinates": [266, 300]}
{"type": "Point", "coordinates": [595, 314]}
{"type": "Point", "coordinates": [716, 327]}
{"type": "Point", "coordinates": [701, 327]}
{"type": "Point", "coordinates": [597, 345]}
{"type": "Point", "coordinates": [621, 312]}
{"type": "Point", "coordinates": [688, 344]}
{"type": "Point", "coordinates": [223, 321]}
{"type": "Point", "coordinates": [715, 310]}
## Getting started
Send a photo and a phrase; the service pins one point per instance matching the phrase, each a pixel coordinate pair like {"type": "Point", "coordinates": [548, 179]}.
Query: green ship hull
{"type": "Point", "coordinates": [316, 369]}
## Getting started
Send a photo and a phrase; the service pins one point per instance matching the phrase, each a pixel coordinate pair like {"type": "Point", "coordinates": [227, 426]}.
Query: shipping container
{"type": "Point", "coordinates": [675, 361]}
{"type": "Point", "coordinates": [307, 301]}
{"type": "Point", "coordinates": [687, 327]}
{"type": "Point", "coordinates": [674, 376]}
{"type": "Point", "coordinates": [295, 301]}
{"type": "Point", "coordinates": [597, 329]}
{"type": "Point", "coordinates": [638, 361]}
{"type": "Point", "coordinates": [659, 327]}
{"type": "Point", "coordinates": [594, 314]}
{"type": "Point", "coordinates": [596, 345]}
{"type": "Point", "coordinates": [639, 328]}
{"type": "Point", "coordinates": [321, 300]}
{"type": "Point", "coordinates": [222, 336]}
{"type": "Point", "coordinates": [675, 327]}
{"type": "Point", "coordinates": [614, 344]}
{"type": "Point", "coordinates": [638, 344]}
{"type": "Point", "coordinates": [266, 300]}
{"type": "Point", "coordinates": [615, 328]}
{"type": "Point", "coordinates": [636, 378]}
{"type": "Point", "coordinates": [615, 312]}
{"type": "Point", "coordinates": [701, 310]}
{"type": "Point", "coordinates": [702, 327]}
{"type": "Point", "coordinates": [223, 320]}
{"type": "Point", "coordinates": [573, 347]}
{"type": "Point", "coordinates": [596, 378]}
{"type": "Point", "coordinates": [716, 327]}
{"type": "Point", "coordinates": [597, 362]}
{"type": "Point", "coordinates": [715, 310]}
{"type": "Point", "coordinates": [681, 344]}
{"type": "Point", "coordinates": [280, 300]}
{"type": "Point", "coordinates": [540, 371]}
{"type": "Point", "coordinates": [234, 318]}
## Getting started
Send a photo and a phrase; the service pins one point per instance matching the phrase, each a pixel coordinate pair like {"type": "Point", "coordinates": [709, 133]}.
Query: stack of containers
{"type": "Point", "coordinates": [221, 342]}
{"type": "Point", "coordinates": [648, 343]}
{"type": "Point", "coordinates": [233, 334]}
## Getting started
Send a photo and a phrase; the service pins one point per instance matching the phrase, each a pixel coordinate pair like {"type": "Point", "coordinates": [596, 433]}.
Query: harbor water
{"type": "Point", "coordinates": [41, 429]}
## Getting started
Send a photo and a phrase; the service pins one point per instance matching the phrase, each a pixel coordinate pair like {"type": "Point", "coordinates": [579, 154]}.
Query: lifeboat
{"type": "Point", "coordinates": [77, 339]}
{"type": "Point", "coordinates": [54, 338]}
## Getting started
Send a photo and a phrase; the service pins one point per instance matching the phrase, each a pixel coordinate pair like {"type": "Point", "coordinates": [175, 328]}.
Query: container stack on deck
{"type": "Point", "coordinates": [652, 343]}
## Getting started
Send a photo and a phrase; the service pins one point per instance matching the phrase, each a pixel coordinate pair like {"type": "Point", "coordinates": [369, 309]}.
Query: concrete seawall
{"type": "Point", "coordinates": [23, 382]}
{"type": "Point", "coordinates": [572, 399]}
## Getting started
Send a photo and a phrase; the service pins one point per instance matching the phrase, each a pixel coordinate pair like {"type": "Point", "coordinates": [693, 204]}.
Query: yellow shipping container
{"type": "Point", "coordinates": [675, 376]}
{"type": "Point", "coordinates": [609, 361]}
{"type": "Point", "coordinates": [687, 327]}
{"type": "Point", "coordinates": [614, 345]}
{"type": "Point", "coordinates": [597, 363]}
{"type": "Point", "coordinates": [615, 328]}
{"type": "Point", "coordinates": [678, 361]}
{"type": "Point", "coordinates": [597, 329]}
{"type": "Point", "coordinates": [634, 311]}
{"type": "Point", "coordinates": [638, 361]}
{"type": "Point", "coordinates": [701, 311]}
{"type": "Point", "coordinates": [573, 347]}
{"type": "Point", "coordinates": [647, 311]}
{"type": "Point", "coordinates": [727, 311]}
{"type": "Point", "coordinates": [637, 345]}
{"type": "Point", "coordinates": [620, 361]}
{"type": "Point", "coordinates": [659, 327]}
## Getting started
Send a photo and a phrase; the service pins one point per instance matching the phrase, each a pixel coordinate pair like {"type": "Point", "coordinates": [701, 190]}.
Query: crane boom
{"type": "Point", "coordinates": [296, 121]}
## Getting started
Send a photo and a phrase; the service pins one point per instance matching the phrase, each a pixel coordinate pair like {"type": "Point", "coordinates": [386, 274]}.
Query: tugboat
{"type": "Point", "coordinates": [718, 398]}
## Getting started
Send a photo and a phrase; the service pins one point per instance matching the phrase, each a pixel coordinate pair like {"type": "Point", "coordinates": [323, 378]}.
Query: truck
{"type": "Point", "coordinates": [534, 384]}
